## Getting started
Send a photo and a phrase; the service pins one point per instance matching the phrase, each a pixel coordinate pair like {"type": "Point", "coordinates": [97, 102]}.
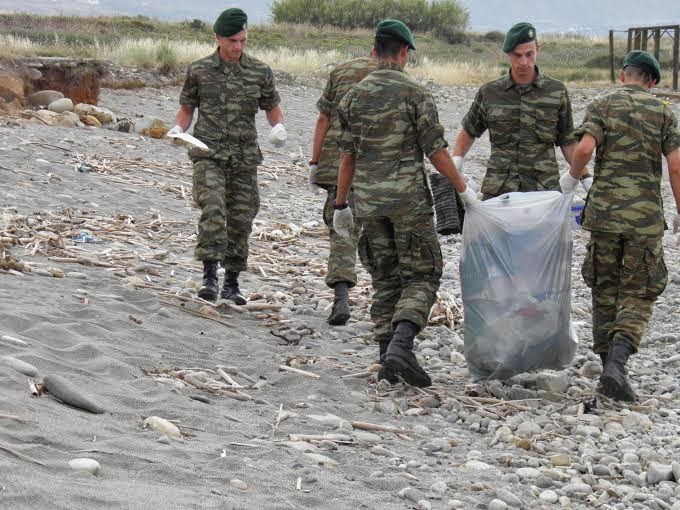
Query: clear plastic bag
{"type": "Point", "coordinates": [515, 270]}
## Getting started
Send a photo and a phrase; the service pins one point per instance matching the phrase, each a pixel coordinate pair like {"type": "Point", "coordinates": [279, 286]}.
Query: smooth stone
{"type": "Point", "coordinates": [163, 439]}
{"type": "Point", "coordinates": [548, 496]}
{"type": "Point", "coordinates": [497, 504]}
{"type": "Point", "coordinates": [85, 464]}
{"type": "Point", "coordinates": [528, 473]}
{"type": "Point", "coordinates": [162, 425]}
{"type": "Point", "coordinates": [69, 394]}
{"type": "Point", "coordinates": [560, 459]}
{"type": "Point", "coordinates": [675, 466]}
{"type": "Point", "coordinates": [455, 504]}
{"type": "Point", "coordinates": [238, 484]}
{"type": "Point", "coordinates": [44, 97]}
{"type": "Point", "coordinates": [61, 105]}
{"type": "Point", "coordinates": [557, 382]}
{"type": "Point", "coordinates": [411, 494]}
{"type": "Point", "coordinates": [591, 369]}
{"type": "Point", "coordinates": [20, 366]}
{"type": "Point", "coordinates": [657, 472]}
{"type": "Point", "coordinates": [423, 504]}
{"type": "Point", "coordinates": [77, 275]}
{"type": "Point", "coordinates": [508, 497]}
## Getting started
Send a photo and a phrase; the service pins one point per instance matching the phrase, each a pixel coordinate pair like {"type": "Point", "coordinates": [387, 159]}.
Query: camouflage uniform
{"type": "Point", "coordinates": [525, 123]}
{"type": "Point", "coordinates": [227, 96]}
{"type": "Point", "coordinates": [342, 256]}
{"type": "Point", "coordinates": [398, 244]}
{"type": "Point", "coordinates": [624, 265]}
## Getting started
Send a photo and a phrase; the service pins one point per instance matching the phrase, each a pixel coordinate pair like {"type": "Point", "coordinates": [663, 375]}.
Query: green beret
{"type": "Point", "coordinates": [644, 61]}
{"type": "Point", "coordinates": [519, 34]}
{"type": "Point", "coordinates": [395, 29]}
{"type": "Point", "coordinates": [230, 22]}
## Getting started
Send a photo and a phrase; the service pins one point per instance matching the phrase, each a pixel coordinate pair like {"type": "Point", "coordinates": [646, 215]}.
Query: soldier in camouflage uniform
{"type": "Point", "coordinates": [624, 266]}
{"type": "Point", "coordinates": [227, 87]}
{"type": "Point", "coordinates": [527, 115]}
{"type": "Point", "coordinates": [323, 168]}
{"type": "Point", "coordinates": [388, 124]}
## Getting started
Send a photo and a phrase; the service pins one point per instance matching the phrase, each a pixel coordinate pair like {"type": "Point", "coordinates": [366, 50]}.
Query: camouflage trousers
{"type": "Point", "coordinates": [403, 257]}
{"type": "Point", "coordinates": [626, 274]}
{"type": "Point", "coordinates": [342, 257]}
{"type": "Point", "coordinates": [229, 200]}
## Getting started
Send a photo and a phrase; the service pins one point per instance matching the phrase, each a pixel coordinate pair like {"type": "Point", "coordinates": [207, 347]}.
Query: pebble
{"type": "Point", "coordinates": [85, 464]}
{"type": "Point", "coordinates": [548, 496]}
{"type": "Point", "coordinates": [76, 275]}
{"type": "Point", "coordinates": [164, 439]}
{"type": "Point", "coordinates": [411, 494]}
{"type": "Point", "coordinates": [497, 504]}
{"type": "Point", "coordinates": [508, 497]}
{"type": "Point", "coordinates": [20, 366]}
{"type": "Point", "coordinates": [657, 472]}
{"type": "Point", "coordinates": [238, 484]}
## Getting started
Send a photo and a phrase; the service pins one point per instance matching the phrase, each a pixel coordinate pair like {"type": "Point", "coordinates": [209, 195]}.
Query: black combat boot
{"type": "Point", "coordinates": [400, 357]}
{"type": "Point", "coordinates": [340, 313]}
{"type": "Point", "coordinates": [385, 372]}
{"type": "Point", "coordinates": [230, 289]}
{"type": "Point", "coordinates": [208, 290]}
{"type": "Point", "coordinates": [613, 381]}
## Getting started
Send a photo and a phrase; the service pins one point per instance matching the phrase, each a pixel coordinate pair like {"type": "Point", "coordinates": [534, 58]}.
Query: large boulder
{"type": "Point", "coordinates": [151, 126]}
{"type": "Point", "coordinates": [103, 115]}
{"type": "Point", "coordinates": [44, 97]}
{"type": "Point", "coordinates": [61, 105]}
{"type": "Point", "coordinates": [91, 120]}
{"type": "Point", "coordinates": [11, 87]}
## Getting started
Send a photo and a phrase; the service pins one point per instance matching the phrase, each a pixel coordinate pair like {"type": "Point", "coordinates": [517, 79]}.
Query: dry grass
{"type": "Point", "coordinates": [455, 73]}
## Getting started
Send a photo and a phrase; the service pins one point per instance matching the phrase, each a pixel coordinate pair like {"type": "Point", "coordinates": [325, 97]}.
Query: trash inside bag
{"type": "Point", "coordinates": [515, 269]}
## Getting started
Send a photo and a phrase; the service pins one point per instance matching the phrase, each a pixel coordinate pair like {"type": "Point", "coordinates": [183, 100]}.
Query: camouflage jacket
{"type": "Point", "coordinates": [389, 122]}
{"type": "Point", "coordinates": [525, 123]}
{"type": "Point", "coordinates": [633, 129]}
{"type": "Point", "coordinates": [227, 97]}
{"type": "Point", "coordinates": [340, 80]}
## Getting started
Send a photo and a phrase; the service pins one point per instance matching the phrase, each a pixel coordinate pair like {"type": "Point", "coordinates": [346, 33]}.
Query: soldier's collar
{"type": "Point", "coordinates": [635, 87]}
{"type": "Point", "coordinates": [538, 79]}
{"type": "Point", "coordinates": [217, 61]}
{"type": "Point", "coordinates": [382, 64]}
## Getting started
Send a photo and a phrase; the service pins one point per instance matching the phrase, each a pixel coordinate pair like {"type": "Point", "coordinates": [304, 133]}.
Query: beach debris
{"type": "Point", "coordinates": [36, 389]}
{"type": "Point", "coordinates": [163, 426]}
{"type": "Point", "coordinates": [85, 464]}
{"type": "Point", "coordinates": [20, 455]}
{"type": "Point", "coordinates": [68, 393]}
{"type": "Point", "coordinates": [238, 484]}
{"type": "Point", "coordinates": [298, 371]}
{"type": "Point", "coordinates": [12, 340]}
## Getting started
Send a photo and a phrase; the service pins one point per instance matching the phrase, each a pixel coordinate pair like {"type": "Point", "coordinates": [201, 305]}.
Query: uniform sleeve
{"type": "Point", "coordinates": [669, 132]}
{"type": "Point", "coordinates": [474, 121]}
{"type": "Point", "coordinates": [593, 124]}
{"type": "Point", "coordinates": [429, 132]}
{"type": "Point", "coordinates": [345, 138]}
{"type": "Point", "coordinates": [189, 95]}
{"type": "Point", "coordinates": [325, 102]}
{"type": "Point", "coordinates": [269, 97]}
{"type": "Point", "coordinates": [565, 122]}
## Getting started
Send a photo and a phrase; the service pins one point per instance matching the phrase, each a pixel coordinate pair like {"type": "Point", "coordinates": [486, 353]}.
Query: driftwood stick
{"type": "Point", "coordinates": [358, 375]}
{"type": "Point", "coordinates": [298, 371]}
{"type": "Point", "coordinates": [227, 378]}
{"type": "Point", "coordinates": [20, 455]}
{"type": "Point", "coordinates": [377, 427]}
{"type": "Point", "coordinates": [15, 418]}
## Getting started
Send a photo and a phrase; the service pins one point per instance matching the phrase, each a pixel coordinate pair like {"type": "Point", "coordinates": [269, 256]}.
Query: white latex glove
{"type": "Point", "coordinates": [176, 130]}
{"type": "Point", "coordinates": [311, 176]}
{"type": "Point", "coordinates": [278, 136]}
{"type": "Point", "coordinates": [470, 182]}
{"type": "Point", "coordinates": [343, 223]}
{"type": "Point", "coordinates": [458, 161]}
{"type": "Point", "coordinates": [587, 183]}
{"type": "Point", "coordinates": [469, 195]}
{"type": "Point", "coordinates": [568, 183]}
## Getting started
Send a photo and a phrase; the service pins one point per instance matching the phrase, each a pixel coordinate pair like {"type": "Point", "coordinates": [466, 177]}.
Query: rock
{"type": "Point", "coordinates": [520, 393]}
{"type": "Point", "coordinates": [31, 74]}
{"type": "Point", "coordinates": [85, 464]}
{"type": "Point", "coordinates": [66, 119]}
{"type": "Point", "coordinates": [162, 425]}
{"type": "Point", "coordinates": [151, 126]}
{"type": "Point", "coordinates": [20, 366]}
{"type": "Point", "coordinates": [90, 120]}
{"type": "Point", "coordinates": [509, 498]}
{"type": "Point", "coordinates": [455, 504]}
{"type": "Point", "coordinates": [61, 105]}
{"type": "Point", "coordinates": [657, 472]}
{"type": "Point", "coordinates": [238, 484]}
{"type": "Point", "coordinates": [560, 459]}
{"type": "Point", "coordinates": [591, 369]}
{"type": "Point", "coordinates": [13, 341]}
{"type": "Point", "coordinates": [423, 504]}
{"type": "Point", "coordinates": [557, 382]}
{"type": "Point", "coordinates": [528, 429]}
{"type": "Point", "coordinates": [101, 114]}
{"type": "Point", "coordinates": [44, 97]}
{"type": "Point", "coordinates": [438, 489]}
{"type": "Point", "coordinates": [528, 473]}
{"type": "Point", "coordinates": [11, 87]}
{"type": "Point", "coordinates": [675, 466]}
{"type": "Point", "coordinates": [548, 496]}
{"type": "Point", "coordinates": [69, 394]}
{"type": "Point", "coordinates": [497, 504]}
{"type": "Point", "coordinates": [164, 439]}
{"type": "Point", "coordinates": [411, 494]}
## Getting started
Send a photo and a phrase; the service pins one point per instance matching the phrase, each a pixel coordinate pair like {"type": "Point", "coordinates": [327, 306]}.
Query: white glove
{"type": "Point", "coordinates": [587, 183]}
{"type": "Point", "coordinates": [470, 182]}
{"type": "Point", "coordinates": [343, 223]}
{"type": "Point", "coordinates": [278, 136]}
{"type": "Point", "coordinates": [311, 176]}
{"type": "Point", "coordinates": [176, 130]}
{"type": "Point", "coordinates": [458, 161]}
{"type": "Point", "coordinates": [469, 195]}
{"type": "Point", "coordinates": [568, 183]}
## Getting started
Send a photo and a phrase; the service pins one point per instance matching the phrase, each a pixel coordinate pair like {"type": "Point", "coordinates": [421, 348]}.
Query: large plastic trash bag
{"type": "Point", "coordinates": [515, 270]}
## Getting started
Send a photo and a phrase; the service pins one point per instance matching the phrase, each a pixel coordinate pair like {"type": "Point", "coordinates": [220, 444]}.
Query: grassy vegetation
{"type": "Point", "coordinates": [151, 44]}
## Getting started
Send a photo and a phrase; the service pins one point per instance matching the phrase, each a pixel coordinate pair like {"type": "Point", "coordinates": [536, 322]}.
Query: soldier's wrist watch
{"type": "Point", "coordinates": [340, 207]}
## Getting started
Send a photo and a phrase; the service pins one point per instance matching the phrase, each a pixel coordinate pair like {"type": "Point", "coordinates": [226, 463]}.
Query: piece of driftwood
{"type": "Point", "coordinates": [378, 428]}
{"type": "Point", "coordinates": [298, 371]}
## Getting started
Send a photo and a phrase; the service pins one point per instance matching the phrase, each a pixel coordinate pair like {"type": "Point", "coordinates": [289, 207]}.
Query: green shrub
{"type": "Point", "coordinates": [494, 36]}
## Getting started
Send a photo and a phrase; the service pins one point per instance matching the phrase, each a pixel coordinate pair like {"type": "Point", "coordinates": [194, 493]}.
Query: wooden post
{"type": "Point", "coordinates": [644, 35]}
{"type": "Point", "coordinates": [611, 55]}
{"type": "Point", "coordinates": [657, 42]}
{"type": "Point", "coordinates": [630, 41]}
{"type": "Point", "coordinates": [676, 56]}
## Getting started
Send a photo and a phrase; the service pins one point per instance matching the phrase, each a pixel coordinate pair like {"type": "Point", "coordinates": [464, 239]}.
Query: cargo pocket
{"type": "Point", "coordinates": [496, 174]}
{"type": "Point", "coordinates": [365, 254]}
{"type": "Point", "coordinates": [588, 268]}
{"type": "Point", "coordinates": [546, 126]}
{"type": "Point", "coordinates": [657, 274]}
{"type": "Point", "coordinates": [421, 259]}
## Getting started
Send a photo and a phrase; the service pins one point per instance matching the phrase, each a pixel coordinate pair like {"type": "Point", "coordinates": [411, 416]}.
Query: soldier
{"type": "Point", "coordinates": [388, 123]}
{"type": "Point", "coordinates": [624, 265]}
{"type": "Point", "coordinates": [527, 115]}
{"type": "Point", "coordinates": [227, 87]}
{"type": "Point", "coordinates": [323, 169]}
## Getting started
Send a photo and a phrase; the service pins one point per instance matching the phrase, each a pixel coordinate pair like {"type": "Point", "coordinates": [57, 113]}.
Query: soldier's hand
{"type": "Point", "coordinates": [343, 223]}
{"type": "Point", "coordinates": [278, 136]}
{"type": "Point", "coordinates": [469, 195]}
{"type": "Point", "coordinates": [176, 130]}
{"type": "Point", "coordinates": [568, 183]}
{"type": "Point", "coordinates": [458, 161]}
{"type": "Point", "coordinates": [587, 184]}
